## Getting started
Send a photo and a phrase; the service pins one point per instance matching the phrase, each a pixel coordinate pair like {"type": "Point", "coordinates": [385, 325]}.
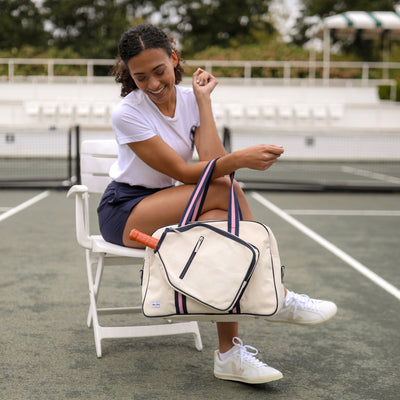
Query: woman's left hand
{"type": "Point", "coordinates": [203, 82]}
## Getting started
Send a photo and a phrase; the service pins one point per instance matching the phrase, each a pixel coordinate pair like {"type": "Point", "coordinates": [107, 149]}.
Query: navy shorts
{"type": "Point", "coordinates": [115, 207]}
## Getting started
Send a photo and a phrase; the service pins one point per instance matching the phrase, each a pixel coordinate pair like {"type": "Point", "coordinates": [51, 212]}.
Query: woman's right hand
{"type": "Point", "coordinates": [203, 83]}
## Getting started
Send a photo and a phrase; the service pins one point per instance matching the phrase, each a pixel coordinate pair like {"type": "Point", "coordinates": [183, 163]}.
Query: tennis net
{"type": "Point", "coordinates": [39, 157]}
{"type": "Point", "coordinates": [346, 161]}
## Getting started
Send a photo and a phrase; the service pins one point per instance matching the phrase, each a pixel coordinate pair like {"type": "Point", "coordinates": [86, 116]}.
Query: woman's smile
{"type": "Point", "coordinates": [153, 72]}
{"type": "Point", "coordinates": [157, 91]}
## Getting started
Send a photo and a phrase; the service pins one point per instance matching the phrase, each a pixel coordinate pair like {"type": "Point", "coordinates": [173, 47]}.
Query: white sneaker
{"type": "Point", "coordinates": [242, 365]}
{"type": "Point", "coordinates": [301, 309]}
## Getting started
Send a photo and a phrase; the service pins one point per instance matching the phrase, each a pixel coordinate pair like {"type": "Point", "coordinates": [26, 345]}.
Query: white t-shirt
{"type": "Point", "coordinates": [137, 118]}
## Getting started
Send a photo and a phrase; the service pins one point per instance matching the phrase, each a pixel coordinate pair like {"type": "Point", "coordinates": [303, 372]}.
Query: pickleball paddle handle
{"type": "Point", "coordinates": [143, 238]}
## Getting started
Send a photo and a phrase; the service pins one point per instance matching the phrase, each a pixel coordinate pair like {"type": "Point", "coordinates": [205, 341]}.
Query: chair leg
{"type": "Point", "coordinates": [197, 337]}
{"type": "Point", "coordinates": [93, 292]}
{"type": "Point", "coordinates": [178, 328]}
{"type": "Point", "coordinates": [105, 332]}
{"type": "Point", "coordinates": [191, 327]}
{"type": "Point", "coordinates": [97, 337]}
{"type": "Point", "coordinates": [99, 261]}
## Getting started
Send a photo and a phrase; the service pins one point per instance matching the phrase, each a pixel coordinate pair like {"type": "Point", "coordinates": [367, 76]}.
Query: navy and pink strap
{"type": "Point", "coordinates": [193, 211]}
{"type": "Point", "coordinates": [196, 202]}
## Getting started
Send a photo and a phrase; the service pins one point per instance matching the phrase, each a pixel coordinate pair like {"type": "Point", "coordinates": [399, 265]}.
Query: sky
{"type": "Point", "coordinates": [284, 13]}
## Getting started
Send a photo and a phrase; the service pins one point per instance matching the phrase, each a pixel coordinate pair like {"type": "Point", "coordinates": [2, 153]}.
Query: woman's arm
{"type": "Point", "coordinates": [207, 141]}
{"type": "Point", "coordinates": [163, 158]}
{"type": "Point", "coordinates": [160, 156]}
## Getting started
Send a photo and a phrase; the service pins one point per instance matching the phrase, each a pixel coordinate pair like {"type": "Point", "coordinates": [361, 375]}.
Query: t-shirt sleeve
{"type": "Point", "coordinates": [130, 125]}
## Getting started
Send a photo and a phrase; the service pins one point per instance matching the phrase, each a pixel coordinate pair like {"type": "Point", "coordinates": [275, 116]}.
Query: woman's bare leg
{"type": "Point", "coordinates": [167, 206]}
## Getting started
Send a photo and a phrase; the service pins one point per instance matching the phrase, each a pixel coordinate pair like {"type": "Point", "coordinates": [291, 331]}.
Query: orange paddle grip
{"type": "Point", "coordinates": [143, 238]}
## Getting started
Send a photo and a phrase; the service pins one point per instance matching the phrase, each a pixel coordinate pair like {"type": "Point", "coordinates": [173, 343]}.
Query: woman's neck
{"type": "Point", "coordinates": [168, 108]}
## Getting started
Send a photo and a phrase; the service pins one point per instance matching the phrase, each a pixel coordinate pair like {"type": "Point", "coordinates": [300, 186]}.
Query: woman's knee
{"type": "Point", "coordinates": [221, 191]}
{"type": "Point", "coordinates": [218, 191]}
{"type": "Point", "coordinates": [223, 187]}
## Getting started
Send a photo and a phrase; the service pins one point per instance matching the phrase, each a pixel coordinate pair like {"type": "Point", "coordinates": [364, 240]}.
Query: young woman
{"type": "Point", "coordinates": [157, 124]}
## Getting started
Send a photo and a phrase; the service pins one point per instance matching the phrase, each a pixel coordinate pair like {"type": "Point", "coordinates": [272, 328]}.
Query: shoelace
{"type": "Point", "coordinates": [246, 353]}
{"type": "Point", "coordinates": [301, 301]}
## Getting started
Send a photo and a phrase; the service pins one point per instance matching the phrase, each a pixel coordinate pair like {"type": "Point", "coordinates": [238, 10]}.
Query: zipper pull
{"type": "Point", "coordinates": [198, 244]}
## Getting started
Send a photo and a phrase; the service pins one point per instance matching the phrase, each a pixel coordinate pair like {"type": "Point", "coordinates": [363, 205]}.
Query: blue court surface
{"type": "Point", "coordinates": [344, 247]}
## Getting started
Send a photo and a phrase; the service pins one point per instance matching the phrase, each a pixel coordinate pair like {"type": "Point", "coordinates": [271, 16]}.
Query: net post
{"type": "Point", "coordinates": [69, 166]}
{"type": "Point", "coordinates": [226, 139]}
{"type": "Point", "coordinates": [78, 154]}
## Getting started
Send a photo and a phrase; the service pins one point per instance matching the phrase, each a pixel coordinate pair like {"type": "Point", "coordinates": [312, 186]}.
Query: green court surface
{"type": "Point", "coordinates": [343, 247]}
{"type": "Point", "coordinates": [325, 175]}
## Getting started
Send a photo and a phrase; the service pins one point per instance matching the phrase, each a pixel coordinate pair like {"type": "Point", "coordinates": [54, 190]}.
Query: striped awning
{"type": "Point", "coordinates": [371, 24]}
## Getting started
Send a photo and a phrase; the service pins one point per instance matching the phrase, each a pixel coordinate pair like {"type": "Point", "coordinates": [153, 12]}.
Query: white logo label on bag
{"type": "Point", "coordinates": [155, 304]}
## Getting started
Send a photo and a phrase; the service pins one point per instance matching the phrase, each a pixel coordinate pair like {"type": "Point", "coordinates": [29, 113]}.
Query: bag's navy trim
{"type": "Point", "coordinates": [176, 294]}
{"type": "Point", "coordinates": [192, 316]}
{"type": "Point", "coordinates": [246, 278]}
{"type": "Point", "coordinates": [180, 303]}
{"type": "Point", "coordinates": [184, 304]}
{"type": "Point", "coordinates": [213, 228]}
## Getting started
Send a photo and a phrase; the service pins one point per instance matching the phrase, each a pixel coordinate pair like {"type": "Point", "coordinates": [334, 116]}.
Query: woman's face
{"type": "Point", "coordinates": [153, 72]}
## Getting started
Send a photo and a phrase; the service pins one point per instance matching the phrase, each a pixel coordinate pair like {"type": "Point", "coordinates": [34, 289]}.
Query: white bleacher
{"type": "Point", "coordinates": [32, 108]}
{"type": "Point", "coordinates": [313, 122]}
{"type": "Point", "coordinates": [268, 111]}
{"type": "Point", "coordinates": [66, 108]}
{"type": "Point", "coordinates": [253, 111]}
{"type": "Point", "coordinates": [290, 111]}
{"type": "Point", "coordinates": [297, 108]}
{"type": "Point", "coordinates": [302, 111]}
{"type": "Point", "coordinates": [61, 105]}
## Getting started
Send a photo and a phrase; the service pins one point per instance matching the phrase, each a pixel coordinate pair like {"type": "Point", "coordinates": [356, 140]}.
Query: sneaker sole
{"type": "Point", "coordinates": [253, 381]}
{"type": "Point", "coordinates": [320, 321]}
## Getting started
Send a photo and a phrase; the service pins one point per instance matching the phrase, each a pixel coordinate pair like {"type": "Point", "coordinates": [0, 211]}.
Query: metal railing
{"type": "Point", "coordinates": [49, 63]}
{"type": "Point", "coordinates": [285, 71]}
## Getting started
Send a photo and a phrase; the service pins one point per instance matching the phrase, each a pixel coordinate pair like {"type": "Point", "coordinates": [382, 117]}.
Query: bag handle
{"type": "Point", "coordinates": [234, 211]}
{"type": "Point", "coordinates": [196, 202]}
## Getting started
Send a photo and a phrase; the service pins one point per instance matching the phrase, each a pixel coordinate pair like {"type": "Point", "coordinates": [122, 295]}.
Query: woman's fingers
{"type": "Point", "coordinates": [278, 150]}
{"type": "Point", "coordinates": [202, 78]}
{"type": "Point", "coordinates": [261, 157]}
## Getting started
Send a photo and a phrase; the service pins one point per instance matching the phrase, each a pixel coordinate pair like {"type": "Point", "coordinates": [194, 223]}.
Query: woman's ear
{"type": "Point", "coordinates": [174, 59]}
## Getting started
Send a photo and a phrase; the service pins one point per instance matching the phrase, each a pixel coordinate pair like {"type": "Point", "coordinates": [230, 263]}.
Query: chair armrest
{"type": "Point", "coordinates": [77, 189]}
{"type": "Point", "coordinates": [81, 194]}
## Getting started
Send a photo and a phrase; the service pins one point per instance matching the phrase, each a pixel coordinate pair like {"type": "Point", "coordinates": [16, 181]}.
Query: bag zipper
{"type": "Point", "coordinates": [192, 256]}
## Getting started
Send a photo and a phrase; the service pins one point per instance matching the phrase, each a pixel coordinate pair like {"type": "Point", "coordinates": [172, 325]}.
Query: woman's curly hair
{"type": "Point", "coordinates": [132, 43]}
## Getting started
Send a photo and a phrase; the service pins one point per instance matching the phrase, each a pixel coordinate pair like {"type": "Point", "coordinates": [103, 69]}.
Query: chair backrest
{"type": "Point", "coordinates": [97, 156]}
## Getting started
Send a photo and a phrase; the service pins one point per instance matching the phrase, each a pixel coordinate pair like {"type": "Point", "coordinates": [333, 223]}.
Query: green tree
{"type": "Point", "coordinates": [21, 24]}
{"type": "Point", "coordinates": [223, 23]}
{"type": "Point", "coordinates": [364, 49]}
{"type": "Point", "coordinates": [92, 28]}
{"type": "Point", "coordinates": [325, 8]}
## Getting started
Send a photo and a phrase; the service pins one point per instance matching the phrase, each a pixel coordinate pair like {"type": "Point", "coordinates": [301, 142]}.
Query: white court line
{"type": "Point", "coordinates": [362, 213]}
{"type": "Point", "coordinates": [370, 174]}
{"type": "Point", "coordinates": [24, 205]}
{"type": "Point", "coordinates": [362, 269]}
